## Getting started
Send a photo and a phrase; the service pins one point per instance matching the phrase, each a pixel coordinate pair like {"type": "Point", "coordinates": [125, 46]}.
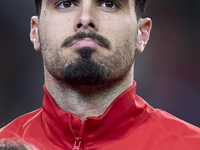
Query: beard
{"type": "Point", "coordinates": [84, 71]}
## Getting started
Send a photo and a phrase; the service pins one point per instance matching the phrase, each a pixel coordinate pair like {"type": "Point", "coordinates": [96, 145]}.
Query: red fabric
{"type": "Point", "coordinates": [129, 123]}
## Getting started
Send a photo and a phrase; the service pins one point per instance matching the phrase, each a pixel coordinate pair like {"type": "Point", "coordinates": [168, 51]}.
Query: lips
{"type": "Point", "coordinates": [86, 39]}
{"type": "Point", "coordinates": [85, 43]}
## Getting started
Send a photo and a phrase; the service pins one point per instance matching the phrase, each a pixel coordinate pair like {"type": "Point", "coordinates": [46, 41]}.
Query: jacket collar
{"type": "Point", "coordinates": [120, 119]}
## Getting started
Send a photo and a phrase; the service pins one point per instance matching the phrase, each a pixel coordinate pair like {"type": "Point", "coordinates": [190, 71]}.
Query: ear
{"type": "Point", "coordinates": [144, 30]}
{"type": "Point", "coordinates": [34, 36]}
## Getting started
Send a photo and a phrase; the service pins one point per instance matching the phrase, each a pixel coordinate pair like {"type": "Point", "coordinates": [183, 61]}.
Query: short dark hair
{"type": "Point", "coordinates": [38, 4]}
{"type": "Point", "coordinates": [140, 6]}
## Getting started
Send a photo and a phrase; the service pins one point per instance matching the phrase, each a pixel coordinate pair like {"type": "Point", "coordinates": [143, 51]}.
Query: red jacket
{"type": "Point", "coordinates": [128, 124]}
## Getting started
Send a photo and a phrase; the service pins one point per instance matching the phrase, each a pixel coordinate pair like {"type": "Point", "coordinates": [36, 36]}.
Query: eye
{"type": "Point", "coordinates": [65, 5]}
{"type": "Point", "coordinates": [110, 5]}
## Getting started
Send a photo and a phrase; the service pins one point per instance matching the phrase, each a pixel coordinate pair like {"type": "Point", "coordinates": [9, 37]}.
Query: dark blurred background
{"type": "Point", "coordinates": [167, 72]}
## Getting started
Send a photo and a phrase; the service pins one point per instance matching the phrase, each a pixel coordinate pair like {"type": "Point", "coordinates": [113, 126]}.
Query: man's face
{"type": "Point", "coordinates": [86, 42]}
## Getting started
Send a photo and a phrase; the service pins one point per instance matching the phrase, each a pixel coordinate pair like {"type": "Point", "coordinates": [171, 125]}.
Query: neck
{"type": "Point", "coordinates": [84, 103]}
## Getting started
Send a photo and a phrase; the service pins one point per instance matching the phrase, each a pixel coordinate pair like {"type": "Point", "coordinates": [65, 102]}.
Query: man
{"type": "Point", "coordinates": [88, 49]}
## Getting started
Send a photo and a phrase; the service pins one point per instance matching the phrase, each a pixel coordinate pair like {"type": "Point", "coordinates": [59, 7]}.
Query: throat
{"type": "Point", "coordinates": [85, 106]}
{"type": "Point", "coordinates": [85, 101]}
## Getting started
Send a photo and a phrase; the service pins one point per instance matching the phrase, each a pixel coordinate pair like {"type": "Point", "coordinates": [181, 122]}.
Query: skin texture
{"type": "Point", "coordinates": [84, 75]}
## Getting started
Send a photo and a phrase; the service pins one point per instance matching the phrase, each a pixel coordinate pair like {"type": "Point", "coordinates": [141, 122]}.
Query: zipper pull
{"type": "Point", "coordinates": [77, 143]}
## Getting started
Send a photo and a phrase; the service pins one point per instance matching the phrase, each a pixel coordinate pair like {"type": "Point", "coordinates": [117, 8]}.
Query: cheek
{"type": "Point", "coordinates": [125, 42]}
{"type": "Point", "coordinates": [119, 30]}
{"type": "Point", "coordinates": [57, 27]}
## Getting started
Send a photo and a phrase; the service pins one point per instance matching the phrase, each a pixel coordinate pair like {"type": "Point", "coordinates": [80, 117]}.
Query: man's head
{"type": "Point", "coordinates": [89, 42]}
{"type": "Point", "coordinates": [140, 6]}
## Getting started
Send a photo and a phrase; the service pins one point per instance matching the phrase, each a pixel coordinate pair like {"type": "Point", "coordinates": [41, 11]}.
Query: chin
{"type": "Point", "coordinates": [85, 72]}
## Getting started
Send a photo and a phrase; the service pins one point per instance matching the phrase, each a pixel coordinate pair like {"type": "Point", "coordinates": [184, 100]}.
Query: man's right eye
{"type": "Point", "coordinates": [65, 5]}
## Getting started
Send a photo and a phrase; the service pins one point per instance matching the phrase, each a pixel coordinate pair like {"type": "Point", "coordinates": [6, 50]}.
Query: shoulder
{"type": "Point", "coordinates": [171, 122]}
{"type": "Point", "coordinates": [174, 127]}
{"type": "Point", "coordinates": [19, 125]}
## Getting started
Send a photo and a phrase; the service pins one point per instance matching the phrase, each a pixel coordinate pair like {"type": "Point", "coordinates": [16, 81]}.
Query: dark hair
{"type": "Point", "coordinates": [140, 6]}
{"type": "Point", "coordinates": [38, 4]}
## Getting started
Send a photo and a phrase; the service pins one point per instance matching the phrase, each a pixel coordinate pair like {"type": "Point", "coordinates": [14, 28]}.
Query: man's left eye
{"type": "Point", "coordinates": [65, 5]}
{"type": "Point", "coordinates": [110, 5]}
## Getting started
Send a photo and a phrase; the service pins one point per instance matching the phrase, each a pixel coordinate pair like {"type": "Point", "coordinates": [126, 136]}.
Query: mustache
{"type": "Point", "coordinates": [101, 40]}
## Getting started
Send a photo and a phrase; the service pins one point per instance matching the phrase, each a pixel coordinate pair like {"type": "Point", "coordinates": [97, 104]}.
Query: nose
{"type": "Point", "coordinates": [86, 19]}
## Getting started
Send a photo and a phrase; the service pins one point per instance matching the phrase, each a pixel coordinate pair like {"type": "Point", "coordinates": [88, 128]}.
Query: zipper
{"type": "Point", "coordinates": [77, 143]}
{"type": "Point", "coordinates": [78, 139]}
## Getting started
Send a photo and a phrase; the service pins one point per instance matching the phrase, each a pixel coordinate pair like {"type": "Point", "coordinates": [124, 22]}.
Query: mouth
{"type": "Point", "coordinates": [86, 39]}
{"type": "Point", "coordinates": [86, 42]}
